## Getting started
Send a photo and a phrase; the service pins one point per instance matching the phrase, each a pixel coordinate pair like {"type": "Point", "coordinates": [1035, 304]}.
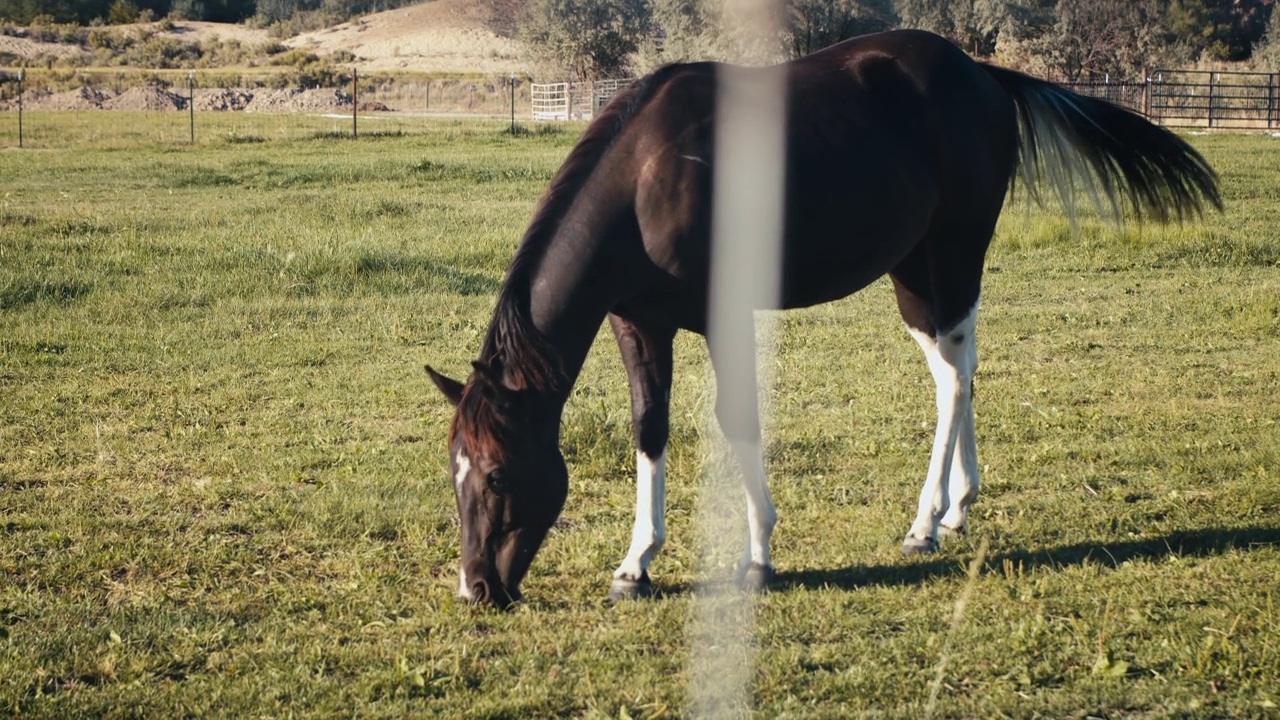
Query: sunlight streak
{"type": "Point", "coordinates": [747, 229]}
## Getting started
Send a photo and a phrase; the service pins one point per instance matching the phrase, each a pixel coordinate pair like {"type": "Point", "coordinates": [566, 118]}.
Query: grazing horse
{"type": "Point", "coordinates": [900, 150]}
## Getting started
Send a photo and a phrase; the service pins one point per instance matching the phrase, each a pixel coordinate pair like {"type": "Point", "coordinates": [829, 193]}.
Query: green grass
{"type": "Point", "coordinates": [223, 488]}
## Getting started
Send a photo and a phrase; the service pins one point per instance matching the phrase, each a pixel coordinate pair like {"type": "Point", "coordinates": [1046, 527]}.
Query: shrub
{"type": "Point", "coordinates": [111, 40]}
{"type": "Point", "coordinates": [122, 12]}
{"type": "Point", "coordinates": [298, 57]}
{"type": "Point", "coordinates": [272, 47]}
{"type": "Point", "coordinates": [159, 52]}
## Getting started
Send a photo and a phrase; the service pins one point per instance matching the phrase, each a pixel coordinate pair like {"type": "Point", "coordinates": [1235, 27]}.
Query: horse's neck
{"type": "Point", "coordinates": [566, 276]}
{"type": "Point", "coordinates": [565, 295]}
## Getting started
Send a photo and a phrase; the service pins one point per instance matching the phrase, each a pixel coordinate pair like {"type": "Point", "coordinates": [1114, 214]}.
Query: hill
{"type": "Point", "coordinates": [435, 36]}
{"type": "Point", "coordinates": [438, 36]}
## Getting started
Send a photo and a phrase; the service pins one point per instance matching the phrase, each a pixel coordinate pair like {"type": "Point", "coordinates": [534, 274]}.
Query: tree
{"type": "Point", "coordinates": [815, 24]}
{"type": "Point", "coordinates": [1097, 37]}
{"type": "Point", "coordinates": [1217, 29]}
{"type": "Point", "coordinates": [588, 39]}
{"type": "Point", "coordinates": [122, 12]}
{"type": "Point", "coordinates": [1266, 52]}
{"type": "Point", "coordinates": [972, 24]}
{"type": "Point", "coordinates": [683, 30]}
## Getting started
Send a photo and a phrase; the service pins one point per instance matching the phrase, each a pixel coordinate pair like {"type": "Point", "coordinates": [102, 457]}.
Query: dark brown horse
{"type": "Point", "coordinates": [900, 150]}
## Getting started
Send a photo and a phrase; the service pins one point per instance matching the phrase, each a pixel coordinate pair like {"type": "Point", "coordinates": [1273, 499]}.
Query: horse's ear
{"type": "Point", "coordinates": [451, 388]}
{"type": "Point", "coordinates": [490, 372]}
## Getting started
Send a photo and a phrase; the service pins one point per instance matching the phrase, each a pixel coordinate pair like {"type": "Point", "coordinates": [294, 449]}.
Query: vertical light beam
{"type": "Point", "coordinates": [750, 154]}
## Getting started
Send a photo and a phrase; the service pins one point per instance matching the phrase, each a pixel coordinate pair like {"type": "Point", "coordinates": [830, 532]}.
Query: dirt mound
{"type": "Point", "coordinates": [291, 100]}
{"type": "Point", "coordinates": [275, 100]}
{"type": "Point", "coordinates": [85, 98]}
{"type": "Point", "coordinates": [145, 98]}
{"type": "Point", "coordinates": [221, 99]}
{"type": "Point", "coordinates": [373, 106]}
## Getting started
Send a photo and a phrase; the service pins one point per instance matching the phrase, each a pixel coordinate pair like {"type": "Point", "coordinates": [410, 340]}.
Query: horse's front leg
{"type": "Point", "coordinates": [733, 356]}
{"type": "Point", "coordinates": [647, 355]}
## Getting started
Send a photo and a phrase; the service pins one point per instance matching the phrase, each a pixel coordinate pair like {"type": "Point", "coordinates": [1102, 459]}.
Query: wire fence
{"type": "Point", "coordinates": [172, 107]}
{"type": "Point", "coordinates": [1174, 98]}
{"type": "Point", "coordinates": [175, 107]}
{"type": "Point", "coordinates": [1196, 98]}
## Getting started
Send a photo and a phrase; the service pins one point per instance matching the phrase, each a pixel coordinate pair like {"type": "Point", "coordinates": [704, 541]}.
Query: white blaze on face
{"type": "Point", "coordinates": [463, 464]}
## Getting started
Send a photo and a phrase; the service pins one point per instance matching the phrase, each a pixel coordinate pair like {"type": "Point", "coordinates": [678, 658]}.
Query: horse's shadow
{"type": "Point", "coordinates": [1183, 543]}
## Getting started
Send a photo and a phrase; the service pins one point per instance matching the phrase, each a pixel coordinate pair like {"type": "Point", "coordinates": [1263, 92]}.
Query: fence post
{"type": "Point", "coordinates": [1211, 99]}
{"type": "Point", "coordinates": [21, 76]}
{"type": "Point", "coordinates": [355, 101]}
{"type": "Point", "coordinates": [568, 100]}
{"type": "Point", "coordinates": [191, 102]}
{"type": "Point", "coordinates": [1146, 93]}
{"type": "Point", "coordinates": [1271, 100]}
{"type": "Point", "coordinates": [513, 104]}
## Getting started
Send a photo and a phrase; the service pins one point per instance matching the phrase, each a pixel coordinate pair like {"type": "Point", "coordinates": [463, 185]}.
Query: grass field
{"type": "Point", "coordinates": [223, 484]}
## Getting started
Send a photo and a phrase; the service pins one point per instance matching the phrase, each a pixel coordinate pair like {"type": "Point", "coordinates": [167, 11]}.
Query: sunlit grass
{"type": "Point", "coordinates": [222, 471]}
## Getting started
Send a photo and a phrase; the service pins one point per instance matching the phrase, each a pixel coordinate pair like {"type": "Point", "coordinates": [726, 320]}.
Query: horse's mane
{"type": "Point", "coordinates": [514, 349]}
{"type": "Point", "coordinates": [526, 358]}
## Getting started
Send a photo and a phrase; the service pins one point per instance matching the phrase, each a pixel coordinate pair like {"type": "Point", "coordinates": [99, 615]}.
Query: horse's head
{"type": "Point", "coordinates": [508, 476]}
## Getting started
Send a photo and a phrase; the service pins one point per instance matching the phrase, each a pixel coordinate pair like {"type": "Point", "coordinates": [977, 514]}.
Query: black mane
{"type": "Point", "coordinates": [513, 345]}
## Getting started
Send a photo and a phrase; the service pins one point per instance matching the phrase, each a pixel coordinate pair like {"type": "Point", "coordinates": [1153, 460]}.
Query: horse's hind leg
{"type": "Point", "coordinates": [942, 317]}
{"type": "Point", "coordinates": [646, 353]}
{"type": "Point", "coordinates": [737, 410]}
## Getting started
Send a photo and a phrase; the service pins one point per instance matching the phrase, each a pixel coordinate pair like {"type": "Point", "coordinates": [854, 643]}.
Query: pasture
{"type": "Point", "coordinates": [223, 485]}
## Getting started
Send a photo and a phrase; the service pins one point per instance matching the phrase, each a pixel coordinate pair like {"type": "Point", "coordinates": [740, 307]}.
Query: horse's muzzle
{"type": "Point", "coordinates": [491, 591]}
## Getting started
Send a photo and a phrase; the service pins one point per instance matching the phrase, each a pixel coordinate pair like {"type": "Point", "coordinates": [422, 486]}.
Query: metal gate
{"type": "Point", "coordinates": [1240, 100]}
{"type": "Point", "coordinates": [573, 100]}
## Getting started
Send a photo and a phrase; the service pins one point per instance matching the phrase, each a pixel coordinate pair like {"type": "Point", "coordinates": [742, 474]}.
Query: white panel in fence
{"type": "Point", "coordinates": [573, 101]}
{"type": "Point", "coordinates": [550, 101]}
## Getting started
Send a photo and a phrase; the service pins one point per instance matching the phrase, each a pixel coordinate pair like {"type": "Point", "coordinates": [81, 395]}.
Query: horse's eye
{"type": "Point", "coordinates": [496, 481]}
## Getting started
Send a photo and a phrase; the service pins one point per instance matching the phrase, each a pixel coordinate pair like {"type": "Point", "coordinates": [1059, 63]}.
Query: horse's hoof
{"type": "Point", "coordinates": [624, 588]}
{"type": "Point", "coordinates": [918, 546]}
{"type": "Point", "coordinates": [757, 577]}
{"type": "Point", "coordinates": [946, 533]}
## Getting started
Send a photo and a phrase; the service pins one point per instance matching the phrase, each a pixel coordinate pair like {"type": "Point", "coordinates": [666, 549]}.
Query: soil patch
{"type": "Point", "coordinates": [221, 99]}
{"type": "Point", "coordinates": [292, 100]}
{"type": "Point", "coordinates": [145, 98]}
{"type": "Point", "coordinates": [85, 98]}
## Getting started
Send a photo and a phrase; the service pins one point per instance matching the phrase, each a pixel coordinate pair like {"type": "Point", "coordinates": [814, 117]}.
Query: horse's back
{"type": "Point", "coordinates": [887, 136]}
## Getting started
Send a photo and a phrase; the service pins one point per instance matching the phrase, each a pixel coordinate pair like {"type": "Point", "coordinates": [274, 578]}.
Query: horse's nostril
{"type": "Point", "coordinates": [479, 591]}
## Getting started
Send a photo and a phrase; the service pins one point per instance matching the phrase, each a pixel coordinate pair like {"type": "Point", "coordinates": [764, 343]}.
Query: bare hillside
{"type": "Point", "coordinates": [434, 36]}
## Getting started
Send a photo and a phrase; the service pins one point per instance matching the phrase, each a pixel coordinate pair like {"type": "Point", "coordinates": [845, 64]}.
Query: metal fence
{"type": "Point", "coordinates": [1241, 100]}
{"type": "Point", "coordinates": [172, 105]}
{"type": "Point", "coordinates": [1197, 98]}
{"type": "Point", "coordinates": [1176, 98]}
{"type": "Point", "coordinates": [573, 100]}
{"type": "Point", "coordinates": [1132, 95]}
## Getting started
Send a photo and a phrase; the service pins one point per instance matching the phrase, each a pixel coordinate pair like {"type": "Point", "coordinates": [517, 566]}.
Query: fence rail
{"type": "Point", "coordinates": [1195, 98]}
{"type": "Point", "coordinates": [1175, 98]}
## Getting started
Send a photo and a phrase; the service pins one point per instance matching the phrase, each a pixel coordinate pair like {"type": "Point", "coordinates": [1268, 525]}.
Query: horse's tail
{"type": "Point", "coordinates": [1074, 141]}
